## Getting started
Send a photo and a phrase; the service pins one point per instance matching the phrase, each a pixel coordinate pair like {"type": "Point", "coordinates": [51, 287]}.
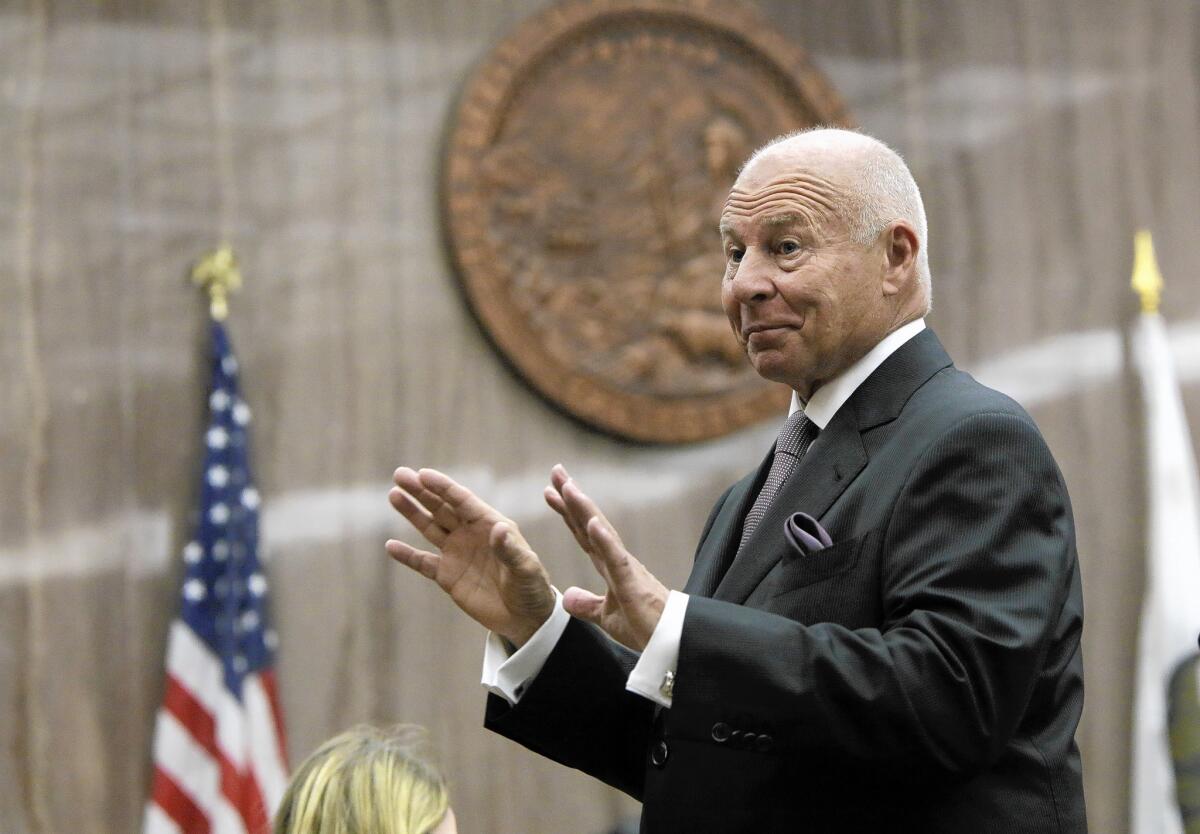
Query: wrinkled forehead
{"type": "Point", "coordinates": [797, 179]}
{"type": "Point", "coordinates": [797, 195]}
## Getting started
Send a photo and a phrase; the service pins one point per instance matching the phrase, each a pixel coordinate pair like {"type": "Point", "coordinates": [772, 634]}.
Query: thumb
{"type": "Point", "coordinates": [583, 604]}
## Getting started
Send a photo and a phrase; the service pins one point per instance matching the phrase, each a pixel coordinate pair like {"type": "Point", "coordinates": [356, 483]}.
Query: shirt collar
{"type": "Point", "coordinates": [833, 394]}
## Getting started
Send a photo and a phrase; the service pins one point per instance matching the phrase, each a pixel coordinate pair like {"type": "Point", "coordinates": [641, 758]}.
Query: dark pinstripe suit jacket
{"type": "Point", "coordinates": [922, 674]}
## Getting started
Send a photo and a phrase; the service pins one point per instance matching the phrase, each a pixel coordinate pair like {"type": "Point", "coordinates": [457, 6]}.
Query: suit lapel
{"type": "Point", "coordinates": [718, 548]}
{"type": "Point", "coordinates": [831, 464]}
{"type": "Point", "coordinates": [833, 461]}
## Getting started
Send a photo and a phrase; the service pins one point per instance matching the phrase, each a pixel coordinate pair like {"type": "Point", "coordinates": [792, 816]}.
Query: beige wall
{"type": "Point", "coordinates": [133, 136]}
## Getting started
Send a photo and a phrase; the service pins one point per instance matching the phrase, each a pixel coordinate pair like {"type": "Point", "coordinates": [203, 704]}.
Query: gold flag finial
{"type": "Point", "coordinates": [218, 273]}
{"type": "Point", "coordinates": [1147, 280]}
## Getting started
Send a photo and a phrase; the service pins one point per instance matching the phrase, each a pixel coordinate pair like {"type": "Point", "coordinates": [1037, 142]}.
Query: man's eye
{"type": "Point", "coordinates": [789, 247]}
{"type": "Point", "coordinates": [735, 255]}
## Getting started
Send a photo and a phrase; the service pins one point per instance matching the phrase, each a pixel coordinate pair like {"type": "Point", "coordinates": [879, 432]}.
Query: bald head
{"type": "Point", "coordinates": [869, 184]}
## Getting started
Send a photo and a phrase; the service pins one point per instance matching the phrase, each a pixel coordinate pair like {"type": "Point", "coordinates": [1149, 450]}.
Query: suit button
{"type": "Point", "coordinates": [748, 740]}
{"type": "Point", "coordinates": [764, 743]}
{"type": "Point", "coordinates": [659, 753]}
{"type": "Point", "coordinates": [720, 732]}
{"type": "Point", "coordinates": [735, 738]}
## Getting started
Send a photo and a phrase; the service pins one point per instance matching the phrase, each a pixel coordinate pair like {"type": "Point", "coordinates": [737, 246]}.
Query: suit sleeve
{"type": "Point", "coordinates": [976, 565]}
{"type": "Point", "coordinates": [577, 710]}
{"type": "Point", "coordinates": [578, 713]}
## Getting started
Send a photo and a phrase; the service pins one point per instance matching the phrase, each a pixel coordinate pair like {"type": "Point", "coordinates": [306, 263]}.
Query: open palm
{"type": "Point", "coordinates": [630, 608]}
{"type": "Point", "coordinates": [483, 562]}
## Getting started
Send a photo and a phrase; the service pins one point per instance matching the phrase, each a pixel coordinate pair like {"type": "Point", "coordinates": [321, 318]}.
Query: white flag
{"type": "Point", "coordinates": [1171, 606]}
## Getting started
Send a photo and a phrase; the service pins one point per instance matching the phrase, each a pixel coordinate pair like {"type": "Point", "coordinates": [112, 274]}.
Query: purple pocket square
{"type": "Point", "coordinates": [806, 534]}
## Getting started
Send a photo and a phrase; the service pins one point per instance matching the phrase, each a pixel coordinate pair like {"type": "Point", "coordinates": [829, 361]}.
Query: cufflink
{"type": "Point", "coordinates": [667, 687]}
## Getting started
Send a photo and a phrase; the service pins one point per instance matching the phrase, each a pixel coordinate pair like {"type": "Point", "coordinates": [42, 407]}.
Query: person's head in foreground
{"type": "Point", "coordinates": [367, 781]}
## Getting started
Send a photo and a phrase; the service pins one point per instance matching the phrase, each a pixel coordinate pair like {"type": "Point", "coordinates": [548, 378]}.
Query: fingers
{"type": "Point", "coordinates": [583, 604]}
{"type": "Point", "coordinates": [422, 561]}
{"type": "Point", "coordinates": [580, 508]}
{"type": "Point", "coordinates": [580, 513]}
{"type": "Point", "coordinates": [464, 504]}
{"type": "Point", "coordinates": [417, 515]}
{"type": "Point", "coordinates": [566, 498]}
{"type": "Point", "coordinates": [608, 551]}
{"type": "Point", "coordinates": [638, 595]}
{"type": "Point", "coordinates": [555, 502]}
{"type": "Point", "coordinates": [559, 476]}
{"type": "Point", "coordinates": [410, 481]}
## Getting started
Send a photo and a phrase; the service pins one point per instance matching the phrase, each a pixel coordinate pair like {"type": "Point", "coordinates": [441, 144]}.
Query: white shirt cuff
{"type": "Point", "coordinates": [654, 675]}
{"type": "Point", "coordinates": [510, 675]}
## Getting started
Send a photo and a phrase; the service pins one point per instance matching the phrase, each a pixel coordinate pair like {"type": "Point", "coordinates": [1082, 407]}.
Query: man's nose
{"type": "Point", "coordinates": [752, 282]}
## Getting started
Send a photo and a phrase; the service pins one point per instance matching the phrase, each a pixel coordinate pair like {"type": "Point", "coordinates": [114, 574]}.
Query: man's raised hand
{"type": "Point", "coordinates": [483, 562]}
{"type": "Point", "coordinates": [635, 599]}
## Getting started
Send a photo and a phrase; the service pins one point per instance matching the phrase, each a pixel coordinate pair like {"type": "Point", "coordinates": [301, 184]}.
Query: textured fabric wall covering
{"type": "Point", "coordinates": [137, 135]}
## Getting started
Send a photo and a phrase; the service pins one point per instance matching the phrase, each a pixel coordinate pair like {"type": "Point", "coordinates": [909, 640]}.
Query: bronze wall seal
{"type": "Point", "coordinates": [586, 164]}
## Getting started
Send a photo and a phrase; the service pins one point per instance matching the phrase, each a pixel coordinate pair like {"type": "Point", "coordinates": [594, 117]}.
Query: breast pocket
{"type": "Point", "coordinates": [797, 570]}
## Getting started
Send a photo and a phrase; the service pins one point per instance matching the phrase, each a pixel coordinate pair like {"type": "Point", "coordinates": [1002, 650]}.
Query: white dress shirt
{"type": "Point", "coordinates": [653, 676]}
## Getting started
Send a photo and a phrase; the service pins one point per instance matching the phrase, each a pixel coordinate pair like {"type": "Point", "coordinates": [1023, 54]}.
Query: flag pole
{"type": "Point", "coordinates": [220, 751]}
{"type": "Point", "coordinates": [1166, 672]}
{"type": "Point", "coordinates": [219, 275]}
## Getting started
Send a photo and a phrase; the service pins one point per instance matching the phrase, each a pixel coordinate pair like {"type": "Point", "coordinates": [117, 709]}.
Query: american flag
{"type": "Point", "coordinates": [220, 760]}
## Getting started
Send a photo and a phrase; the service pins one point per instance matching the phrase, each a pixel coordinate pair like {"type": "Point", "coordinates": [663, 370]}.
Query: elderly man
{"type": "Point", "coordinates": [881, 629]}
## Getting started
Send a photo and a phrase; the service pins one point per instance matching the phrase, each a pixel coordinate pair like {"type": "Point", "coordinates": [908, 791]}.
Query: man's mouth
{"type": "Point", "coordinates": [767, 328]}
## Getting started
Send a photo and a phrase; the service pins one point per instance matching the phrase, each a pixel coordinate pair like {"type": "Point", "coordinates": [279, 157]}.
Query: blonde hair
{"type": "Point", "coordinates": [365, 781]}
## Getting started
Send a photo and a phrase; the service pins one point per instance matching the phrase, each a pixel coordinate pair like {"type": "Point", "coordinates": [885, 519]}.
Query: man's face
{"type": "Point", "coordinates": [803, 298]}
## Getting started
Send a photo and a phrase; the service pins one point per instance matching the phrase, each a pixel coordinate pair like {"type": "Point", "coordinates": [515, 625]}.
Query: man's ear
{"type": "Point", "coordinates": [900, 248]}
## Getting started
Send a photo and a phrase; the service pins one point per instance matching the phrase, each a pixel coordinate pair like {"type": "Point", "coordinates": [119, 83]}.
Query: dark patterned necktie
{"type": "Point", "coordinates": [794, 439]}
